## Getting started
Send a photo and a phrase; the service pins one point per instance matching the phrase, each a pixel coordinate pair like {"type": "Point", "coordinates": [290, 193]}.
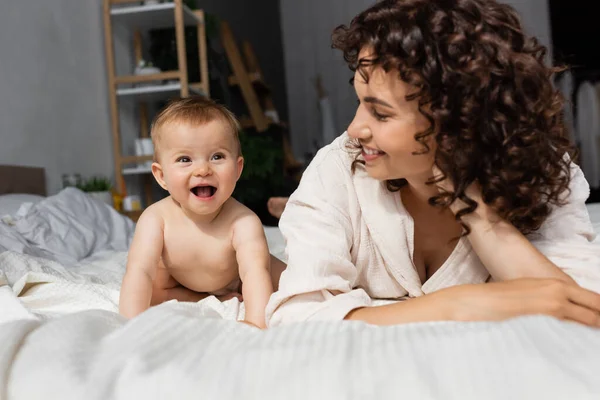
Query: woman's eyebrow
{"type": "Point", "coordinates": [375, 100]}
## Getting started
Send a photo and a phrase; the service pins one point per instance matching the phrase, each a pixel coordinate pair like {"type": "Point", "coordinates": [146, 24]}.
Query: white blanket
{"type": "Point", "coordinates": [67, 227]}
{"type": "Point", "coordinates": [62, 338]}
{"type": "Point", "coordinates": [184, 351]}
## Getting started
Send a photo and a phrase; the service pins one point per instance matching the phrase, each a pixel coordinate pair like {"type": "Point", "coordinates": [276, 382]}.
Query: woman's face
{"type": "Point", "coordinates": [385, 125]}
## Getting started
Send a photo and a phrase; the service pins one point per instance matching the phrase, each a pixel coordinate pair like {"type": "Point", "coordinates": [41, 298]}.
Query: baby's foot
{"type": "Point", "coordinates": [276, 205]}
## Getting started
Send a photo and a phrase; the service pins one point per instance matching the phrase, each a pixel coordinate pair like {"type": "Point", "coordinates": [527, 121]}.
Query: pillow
{"type": "Point", "coordinates": [10, 203]}
{"type": "Point", "coordinates": [73, 225]}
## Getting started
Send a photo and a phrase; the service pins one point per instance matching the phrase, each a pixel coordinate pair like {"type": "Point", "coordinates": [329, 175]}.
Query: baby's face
{"type": "Point", "coordinates": [200, 165]}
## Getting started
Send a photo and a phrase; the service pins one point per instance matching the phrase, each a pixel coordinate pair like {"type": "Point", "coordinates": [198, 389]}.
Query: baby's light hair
{"type": "Point", "coordinates": [195, 110]}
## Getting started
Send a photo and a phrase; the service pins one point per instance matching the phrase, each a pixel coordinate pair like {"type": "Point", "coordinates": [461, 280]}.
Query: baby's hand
{"type": "Point", "coordinates": [230, 296]}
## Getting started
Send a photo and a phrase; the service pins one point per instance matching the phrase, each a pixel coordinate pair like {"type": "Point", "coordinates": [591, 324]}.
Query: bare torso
{"type": "Point", "coordinates": [199, 256]}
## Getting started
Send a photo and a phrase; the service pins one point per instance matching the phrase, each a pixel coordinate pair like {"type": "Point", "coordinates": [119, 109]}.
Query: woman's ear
{"type": "Point", "coordinates": [240, 166]}
{"type": "Point", "coordinates": [157, 171]}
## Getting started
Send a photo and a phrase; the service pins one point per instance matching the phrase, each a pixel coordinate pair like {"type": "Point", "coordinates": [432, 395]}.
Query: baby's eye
{"type": "Point", "coordinates": [183, 159]}
{"type": "Point", "coordinates": [218, 156]}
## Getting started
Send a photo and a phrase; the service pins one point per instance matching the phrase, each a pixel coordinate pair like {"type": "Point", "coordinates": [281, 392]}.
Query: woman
{"type": "Point", "coordinates": [454, 172]}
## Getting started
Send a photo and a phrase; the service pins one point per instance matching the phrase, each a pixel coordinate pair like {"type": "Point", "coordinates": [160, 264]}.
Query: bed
{"type": "Point", "coordinates": [62, 337]}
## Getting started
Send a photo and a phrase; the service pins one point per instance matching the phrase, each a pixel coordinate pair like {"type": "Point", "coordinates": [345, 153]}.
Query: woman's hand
{"type": "Point", "coordinates": [502, 300]}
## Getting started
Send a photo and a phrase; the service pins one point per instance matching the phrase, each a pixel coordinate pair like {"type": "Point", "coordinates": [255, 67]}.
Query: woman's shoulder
{"type": "Point", "coordinates": [329, 174]}
{"type": "Point", "coordinates": [579, 188]}
{"type": "Point", "coordinates": [335, 157]}
{"type": "Point", "coordinates": [569, 219]}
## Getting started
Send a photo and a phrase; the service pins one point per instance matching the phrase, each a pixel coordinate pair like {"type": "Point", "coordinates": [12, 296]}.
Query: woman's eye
{"type": "Point", "coordinates": [183, 159]}
{"type": "Point", "coordinates": [379, 117]}
{"type": "Point", "coordinates": [218, 157]}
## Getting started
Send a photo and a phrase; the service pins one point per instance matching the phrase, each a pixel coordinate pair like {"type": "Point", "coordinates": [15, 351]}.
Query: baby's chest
{"type": "Point", "coordinates": [198, 251]}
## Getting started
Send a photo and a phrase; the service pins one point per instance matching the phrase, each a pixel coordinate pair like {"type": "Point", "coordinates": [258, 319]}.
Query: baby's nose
{"type": "Point", "coordinates": [202, 170]}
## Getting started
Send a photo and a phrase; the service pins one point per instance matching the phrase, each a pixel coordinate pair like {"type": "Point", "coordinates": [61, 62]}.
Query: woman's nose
{"type": "Point", "coordinates": [359, 128]}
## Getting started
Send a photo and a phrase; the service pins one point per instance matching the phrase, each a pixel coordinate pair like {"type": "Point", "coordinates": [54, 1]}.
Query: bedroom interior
{"type": "Point", "coordinates": [79, 85]}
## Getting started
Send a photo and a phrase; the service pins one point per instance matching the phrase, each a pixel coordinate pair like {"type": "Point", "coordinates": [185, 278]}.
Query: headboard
{"type": "Point", "coordinates": [17, 179]}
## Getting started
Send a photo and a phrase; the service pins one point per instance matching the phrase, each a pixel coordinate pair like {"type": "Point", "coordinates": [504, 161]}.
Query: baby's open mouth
{"type": "Point", "coordinates": [204, 192]}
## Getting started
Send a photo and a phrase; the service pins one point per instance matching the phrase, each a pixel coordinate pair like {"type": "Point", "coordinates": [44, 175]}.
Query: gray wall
{"type": "Point", "coordinates": [535, 17]}
{"type": "Point", "coordinates": [53, 95]}
{"type": "Point", "coordinates": [307, 52]}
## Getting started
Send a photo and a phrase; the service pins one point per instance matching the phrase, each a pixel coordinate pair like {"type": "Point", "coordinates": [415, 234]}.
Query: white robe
{"type": "Point", "coordinates": [349, 244]}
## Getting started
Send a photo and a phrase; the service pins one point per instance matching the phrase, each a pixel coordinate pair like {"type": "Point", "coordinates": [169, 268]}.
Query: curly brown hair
{"type": "Point", "coordinates": [483, 86]}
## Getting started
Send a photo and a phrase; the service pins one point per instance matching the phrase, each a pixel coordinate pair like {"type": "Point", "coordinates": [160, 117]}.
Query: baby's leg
{"type": "Point", "coordinates": [277, 267]}
{"type": "Point", "coordinates": [166, 288]}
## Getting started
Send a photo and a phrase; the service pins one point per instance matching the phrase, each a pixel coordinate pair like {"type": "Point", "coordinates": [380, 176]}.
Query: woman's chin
{"type": "Point", "coordinates": [380, 174]}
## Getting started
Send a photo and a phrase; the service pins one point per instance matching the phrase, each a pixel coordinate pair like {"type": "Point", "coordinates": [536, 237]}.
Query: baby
{"type": "Point", "coordinates": [198, 241]}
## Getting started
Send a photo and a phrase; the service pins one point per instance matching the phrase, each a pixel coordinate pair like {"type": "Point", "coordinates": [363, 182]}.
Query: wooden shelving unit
{"type": "Point", "coordinates": [139, 18]}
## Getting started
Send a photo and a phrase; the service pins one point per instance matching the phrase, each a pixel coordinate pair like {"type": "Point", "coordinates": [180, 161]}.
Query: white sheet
{"type": "Point", "coordinates": [62, 338]}
{"type": "Point", "coordinates": [186, 351]}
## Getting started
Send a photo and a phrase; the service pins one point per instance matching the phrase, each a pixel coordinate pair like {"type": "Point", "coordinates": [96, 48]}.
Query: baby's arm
{"type": "Point", "coordinates": [254, 263]}
{"type": "Point", "coordinates": [142, 263]}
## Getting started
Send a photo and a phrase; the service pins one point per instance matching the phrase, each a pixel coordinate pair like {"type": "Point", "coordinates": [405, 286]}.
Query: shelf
{"type": "Point", "coordinates": [152, 16]}
{"type": "Point", "coordinates": [156, 92]}
{"type": "Point", "coordinates": [119, 80]}
{"type": "Point", "coordinates": [138, 170]}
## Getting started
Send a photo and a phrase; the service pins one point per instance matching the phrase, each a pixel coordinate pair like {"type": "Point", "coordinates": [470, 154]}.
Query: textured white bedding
{"type": "Point", "coordinates": [62, 338]}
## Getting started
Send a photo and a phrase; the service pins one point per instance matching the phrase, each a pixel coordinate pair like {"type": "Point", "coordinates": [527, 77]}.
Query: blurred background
{"type": "Point", "coordinates": [80, 81]}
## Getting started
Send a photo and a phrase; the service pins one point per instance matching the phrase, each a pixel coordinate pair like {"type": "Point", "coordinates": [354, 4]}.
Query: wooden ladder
{"type": "Point", "coordinates": [255, 92]}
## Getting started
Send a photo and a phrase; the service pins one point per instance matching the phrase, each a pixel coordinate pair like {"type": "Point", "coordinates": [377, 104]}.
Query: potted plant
{"type": "Point", "coordinates": [99, 188]}
{"type": "Point", "coordinates": [262, 176]}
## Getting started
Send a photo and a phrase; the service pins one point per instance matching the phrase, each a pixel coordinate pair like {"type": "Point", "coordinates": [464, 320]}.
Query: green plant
{"type": "Point", "coordinates": [263, 168]}
{"type": "Point", "coordinates": [95, 184]}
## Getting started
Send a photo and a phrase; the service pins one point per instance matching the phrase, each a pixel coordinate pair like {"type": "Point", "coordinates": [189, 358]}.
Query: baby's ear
{"type": "Point", "coordinates": [240, 166]}
{"type": "Point", "coordinates": [157, 171]}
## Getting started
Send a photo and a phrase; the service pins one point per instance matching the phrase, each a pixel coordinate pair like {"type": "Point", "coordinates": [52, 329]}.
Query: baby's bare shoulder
{"type": "Point", "coordinates": [239, 213]}
{"type": "Point", "coordinates": [168, 213]}
{"type": "Point", "coordinates": [158, 210]}
{"type": "Point", "coordinates": [152, 213]}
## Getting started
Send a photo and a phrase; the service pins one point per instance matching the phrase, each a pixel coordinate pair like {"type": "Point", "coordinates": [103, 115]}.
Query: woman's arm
{"type": "Point", "coordinates": [419, 309]}
{"type": "Point", "coordinates": [506, 252]}
{"type": "Point", "coordinates": [491, 302]}
{"type": "Point", "coordinates": [318, 283]}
